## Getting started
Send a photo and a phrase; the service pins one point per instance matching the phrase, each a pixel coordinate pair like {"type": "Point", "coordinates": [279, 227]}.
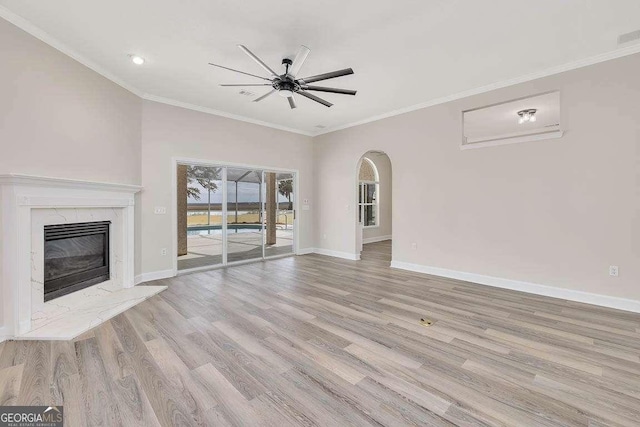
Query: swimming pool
{"type": "Point", "coordinates": [217, 229]}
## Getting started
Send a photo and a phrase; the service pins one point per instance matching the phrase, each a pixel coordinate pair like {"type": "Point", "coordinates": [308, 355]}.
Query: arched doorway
{"type": "Point", "coordinates": [374, 206]}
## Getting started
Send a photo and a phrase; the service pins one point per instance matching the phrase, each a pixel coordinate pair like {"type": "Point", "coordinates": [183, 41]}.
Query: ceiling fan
{"type": "Point", "coordinates": [288, 84]}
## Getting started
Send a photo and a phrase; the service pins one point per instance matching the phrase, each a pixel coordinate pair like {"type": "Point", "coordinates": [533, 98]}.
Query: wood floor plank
{"type": "Point", "coordinates": [10, 379]}
{"type": "Point", "coordinates": [115, 360]}
{"type": "Point", "coordinates": [66, 383]}
{"type": "Point", "coordinates": [367, 343]}
{"type": "Point", "coordinates": [249, 343]}
{"type": "Point", "coordinates": [100, 405]}
{"type": "Point", "coordinates": [197, 399]}
{"type": "Point", "coordinates": [233, 405]}
{"type": "Point", "coordinates": [34, 387]}
{"type": "Point", "coordinates": [394, 408]}
{"type": "Point", "coordinates": [229, 359]}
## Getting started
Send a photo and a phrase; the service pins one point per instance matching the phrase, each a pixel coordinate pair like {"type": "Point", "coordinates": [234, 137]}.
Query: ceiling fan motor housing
{"type": "Point", "coordinates": [286, 83]}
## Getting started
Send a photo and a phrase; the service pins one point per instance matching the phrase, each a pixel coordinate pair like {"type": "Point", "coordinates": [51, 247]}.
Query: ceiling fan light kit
{"type": "Point", "coordinates": [288, 84]}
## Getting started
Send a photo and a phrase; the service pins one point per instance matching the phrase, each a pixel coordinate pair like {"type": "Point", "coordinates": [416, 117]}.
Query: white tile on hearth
{"type": "Point", "coordinates": [66, 325]}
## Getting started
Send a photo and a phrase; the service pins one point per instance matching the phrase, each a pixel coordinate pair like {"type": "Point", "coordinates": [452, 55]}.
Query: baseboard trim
{"type": "Point", "coordinates": [3, 334]}
{"type": "Point", "coordinates": [154, 275]}
{"type": "Point", "coordinates": [305, 251]}
{"type": "Point", "coordinates": [337, 254]}
{"type": "Point", "coordinates": [531, 288]}
{"type": "Point", "coordinates": [375, 239]}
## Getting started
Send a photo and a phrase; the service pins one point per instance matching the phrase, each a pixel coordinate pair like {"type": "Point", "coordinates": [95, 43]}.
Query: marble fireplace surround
{"type": "Point", "coordinates": [28, 204]}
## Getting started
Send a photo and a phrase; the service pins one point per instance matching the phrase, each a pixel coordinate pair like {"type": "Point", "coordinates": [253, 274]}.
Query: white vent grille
{"type": "Point", "coordinates": [246, 93]}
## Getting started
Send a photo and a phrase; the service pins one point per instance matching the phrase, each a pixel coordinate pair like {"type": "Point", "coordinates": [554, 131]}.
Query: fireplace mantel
{"type": "Point", "coordinates": [27, 204]}
{"type": "Point", "coordinates": [40, 181]}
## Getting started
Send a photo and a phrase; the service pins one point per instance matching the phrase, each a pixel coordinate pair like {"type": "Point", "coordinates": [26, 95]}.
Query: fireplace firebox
{"type": "Point", "coordinates": [76, 256]}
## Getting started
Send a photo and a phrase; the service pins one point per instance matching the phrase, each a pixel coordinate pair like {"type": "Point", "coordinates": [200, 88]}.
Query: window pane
{"type": "Point", "coordinates": [370, 215]}
{"type": "Point", "coordinates": [370, 193]}
{"type": "Point", "coordinates": [202, 187]}
{"type": "Point", "coordinates": [283, 224]}
{"type": "Point", "coordinates": [245, 197]}
{"type": "Point", "coordinates": [359, 193]}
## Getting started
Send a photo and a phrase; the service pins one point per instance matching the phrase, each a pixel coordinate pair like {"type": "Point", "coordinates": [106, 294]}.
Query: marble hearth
{"type": "Point", "coordinates": [28, 204]}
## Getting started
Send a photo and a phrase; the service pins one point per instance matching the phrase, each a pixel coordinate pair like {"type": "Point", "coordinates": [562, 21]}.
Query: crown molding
{"type": "Point", "coordinates": [25, 25]}
{"type": "Point", "coordinates": [175, 103]}
{"type": "Point", "coordinates": [618, 53]}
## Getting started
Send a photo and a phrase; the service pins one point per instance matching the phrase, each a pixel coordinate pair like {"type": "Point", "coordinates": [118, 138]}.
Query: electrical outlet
{"type": "Point", "coordinates": [414, 245]}
{"type": "Point", "coordinates": [163, 251]}
{"type": "Point", "coordinates": [324, 236]}
{"type": "Point", "coordinates": [613, 270]}
{"type": "Point", "coordinates": [159, 210]}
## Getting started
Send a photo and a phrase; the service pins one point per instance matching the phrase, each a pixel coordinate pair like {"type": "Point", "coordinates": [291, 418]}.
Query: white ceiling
{"type": "Point", "coordinates": [403, 52]}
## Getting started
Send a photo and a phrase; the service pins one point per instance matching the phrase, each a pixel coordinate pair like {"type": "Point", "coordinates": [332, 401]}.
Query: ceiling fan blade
{"type": "Point", "coordinates": [330, 89]}
{"type": "Point", "coordinates": [327, 76]}
{"type": "Point", "coordinates": [248, 84]}
{"type": "Point", "coordinates": [292, 102]}
{"type": "Point", "coordinates": [238, 71]}
{"type": "Point", "coordinates": [264, 96]}
{"type": "Point", "coordinates": [314, 98]}
{"type": "Point", "coordinates": [302, 54]}
{"type": "Point", "coordinates": [258, 60]}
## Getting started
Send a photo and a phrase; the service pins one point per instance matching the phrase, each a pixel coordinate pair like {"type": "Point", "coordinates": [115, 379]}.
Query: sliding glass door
{"type": "Point", "coordinates": [233, 214]}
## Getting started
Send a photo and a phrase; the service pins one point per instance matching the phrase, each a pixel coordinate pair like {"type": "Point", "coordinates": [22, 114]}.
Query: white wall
{"type": "Point", "coordinates": [169, 132]}
{"type": "Point", "coordinates": [555, 212]}
{"type": "Point", "coordinates": [60, 119]}
{"type": "Point", "coordinates": [383, 164]}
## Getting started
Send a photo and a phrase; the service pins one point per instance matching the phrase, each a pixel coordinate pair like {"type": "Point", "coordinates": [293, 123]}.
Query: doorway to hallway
{"type": "Point", "coordinates": [374, 200]}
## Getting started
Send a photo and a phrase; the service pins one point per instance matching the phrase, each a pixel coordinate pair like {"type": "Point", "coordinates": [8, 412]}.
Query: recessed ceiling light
{"type": "Point", "coordinates": [138, 60]}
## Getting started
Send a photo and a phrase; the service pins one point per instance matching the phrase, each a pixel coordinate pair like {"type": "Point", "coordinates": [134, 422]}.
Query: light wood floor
{"type": "Point", "coordinates": [315, 340]}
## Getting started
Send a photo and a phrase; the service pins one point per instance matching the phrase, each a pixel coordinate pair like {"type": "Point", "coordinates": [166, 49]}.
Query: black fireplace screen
{"type": "Point", "coordinates": [75, 256]}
